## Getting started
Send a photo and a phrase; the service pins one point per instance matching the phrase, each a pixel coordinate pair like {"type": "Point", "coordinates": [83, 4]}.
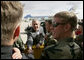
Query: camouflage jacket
{"type": "Point", "coordinates": [19, 44]}
{"type": "Point", "coordinates": [79, 40]}
{"type": "Point", "coordinates": [49, 41]}
{"type": "Point", "coordinates": [64, 49]}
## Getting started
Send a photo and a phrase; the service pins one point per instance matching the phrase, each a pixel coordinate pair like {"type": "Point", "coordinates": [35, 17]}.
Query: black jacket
{"type": "Point", "coordinates": [6, 53]}
{"type": "Point", "coordinates": [34, 37]}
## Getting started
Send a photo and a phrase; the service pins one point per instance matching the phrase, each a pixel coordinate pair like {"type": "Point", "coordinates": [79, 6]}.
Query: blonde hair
{"type": "Point", "coordinates": [11, 14]}
{"type": "Point", "coordinates": [68, 17]}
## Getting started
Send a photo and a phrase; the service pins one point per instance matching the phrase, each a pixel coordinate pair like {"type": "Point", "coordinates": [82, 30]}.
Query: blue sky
{"type": "Point", "coordinates": [48, 8]}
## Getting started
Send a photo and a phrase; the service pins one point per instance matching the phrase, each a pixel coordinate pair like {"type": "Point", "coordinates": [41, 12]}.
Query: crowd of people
{"type": "Point", "coordinates": [57, 37]}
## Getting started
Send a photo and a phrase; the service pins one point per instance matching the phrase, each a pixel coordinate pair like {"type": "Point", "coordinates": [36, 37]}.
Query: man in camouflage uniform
{"type": "Point", "coordinates": [64, 24]}
{"type": "Point", "coordinates": [48, 37]}
{"type": "Point", "coordinates": [19, 44]}
{"type": "Point", "coordinates": [49, 41]}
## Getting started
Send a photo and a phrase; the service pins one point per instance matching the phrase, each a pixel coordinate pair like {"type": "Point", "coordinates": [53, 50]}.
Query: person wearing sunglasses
{"type": "Point", "coordinates": [64, 23]}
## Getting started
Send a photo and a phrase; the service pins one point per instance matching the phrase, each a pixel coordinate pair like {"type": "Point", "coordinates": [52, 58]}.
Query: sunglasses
{"type": "Point", "coordinates": [56, 24]}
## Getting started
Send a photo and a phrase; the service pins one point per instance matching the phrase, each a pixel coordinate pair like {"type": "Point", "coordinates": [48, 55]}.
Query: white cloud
{"type": "Point", "coordinates": [40, 8]}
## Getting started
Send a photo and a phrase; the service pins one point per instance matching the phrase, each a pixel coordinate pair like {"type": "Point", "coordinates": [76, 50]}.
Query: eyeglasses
{"type": "Point", "coordinates": [56, 24]}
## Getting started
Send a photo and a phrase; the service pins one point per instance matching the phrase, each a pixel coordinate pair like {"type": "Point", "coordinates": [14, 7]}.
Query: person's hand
{"type": "Point", "coordinates": [16, 54]}
{"type": "Point", "coordinates": [30, 51]}
{"type": "Point", "coordinates": [38, 46]}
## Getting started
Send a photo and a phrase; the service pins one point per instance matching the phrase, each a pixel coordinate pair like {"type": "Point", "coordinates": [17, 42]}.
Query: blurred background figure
{"type": "Point", "coordinates": [79, 36]}
{"type": "Point", "coordinates": [43, 25]}
{"type": "Point", "coordinates": [48, 36]}
{"type": "Point", "coordinates": [19, 44]}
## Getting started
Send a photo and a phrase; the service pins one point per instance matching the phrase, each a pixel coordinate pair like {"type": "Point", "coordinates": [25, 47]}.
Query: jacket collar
{"type": "Point", "coordinates": [6, 49]}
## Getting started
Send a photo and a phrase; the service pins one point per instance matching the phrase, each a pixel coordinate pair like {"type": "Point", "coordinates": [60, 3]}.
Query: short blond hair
{"type": "Point", "coordinates": [11, 14]}
{"type": "Point", "coordinates": [68, 17]}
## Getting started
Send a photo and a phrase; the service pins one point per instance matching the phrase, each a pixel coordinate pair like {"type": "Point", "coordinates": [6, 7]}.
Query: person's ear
{"type": "Point", "coordinates": [67, 27]}
{"type": "Point", "coordinates": [17, 32]}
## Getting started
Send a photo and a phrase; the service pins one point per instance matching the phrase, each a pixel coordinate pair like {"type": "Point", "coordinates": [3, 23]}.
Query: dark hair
{"type": "Point", "coordinates": [81, 22]}
{"type": "Point", "coordinates": [68, 17]}
{"type": "Point", "coordinates": [49, 21]}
